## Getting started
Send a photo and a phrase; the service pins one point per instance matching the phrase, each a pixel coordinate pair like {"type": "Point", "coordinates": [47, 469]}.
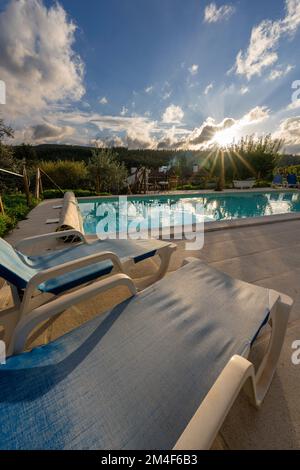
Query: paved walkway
{"type": "Point", "coordinates": [267, 255]}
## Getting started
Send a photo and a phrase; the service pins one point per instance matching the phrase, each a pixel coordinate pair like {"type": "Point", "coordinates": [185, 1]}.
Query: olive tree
{"type": "Point", "coordinates": [106, 171]}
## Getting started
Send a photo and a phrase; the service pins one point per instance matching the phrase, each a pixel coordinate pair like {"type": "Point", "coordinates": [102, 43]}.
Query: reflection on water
{"type": "Point", "coordinates": [165, 211]}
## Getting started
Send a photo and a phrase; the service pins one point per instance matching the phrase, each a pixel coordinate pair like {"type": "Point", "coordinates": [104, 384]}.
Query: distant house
{"type": "Point", "coordinates": [164, 169]}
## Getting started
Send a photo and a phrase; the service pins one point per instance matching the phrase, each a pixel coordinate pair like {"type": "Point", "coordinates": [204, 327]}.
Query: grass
{"type": "Point", "coordinates": [16, 209]}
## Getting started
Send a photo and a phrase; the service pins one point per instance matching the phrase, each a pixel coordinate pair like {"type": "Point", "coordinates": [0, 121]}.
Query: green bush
{"type": "Point", "coordinates": [191, 187]}
{"type": "Point", "coordinates": [56, 194]}
{"type": "Point", "coordinates": [6, 224]}
{"type": "Point", "coordinates": [15, 209]}
{"type": "Point", "coordinates": [291, 169]}
{"type": "Point", "coordinates": [66, 174]}
{"type": "Point", "coordinates": [262, 184]}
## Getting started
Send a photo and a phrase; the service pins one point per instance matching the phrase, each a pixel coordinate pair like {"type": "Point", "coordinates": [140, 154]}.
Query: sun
{"type": "Point", "coordinates": [225, 137]}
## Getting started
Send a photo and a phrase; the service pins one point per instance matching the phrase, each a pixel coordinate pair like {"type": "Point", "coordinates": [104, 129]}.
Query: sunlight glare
{"type": "Point", "coordinates": [225, 137]}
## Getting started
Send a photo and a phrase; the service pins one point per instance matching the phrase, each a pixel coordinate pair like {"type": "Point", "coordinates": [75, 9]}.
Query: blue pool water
{"type": "Point", "coordinates": [99, 213]}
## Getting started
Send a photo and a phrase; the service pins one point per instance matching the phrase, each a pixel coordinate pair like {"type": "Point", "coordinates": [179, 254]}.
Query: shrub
{"type": "Point", "coordinates": [291, 169]}
{"type": "Point", "coordinates": [191, 187]}
{"type": "Point", "coordinates": [262, 184]}
{"type": "Point", "coordinates": [187, 187]}
{"type": "Point", "coordinates": [15, 210]}
{"type": "Point", "coordinates": [55, 193]}
{"type": "Point", "coordinates": [66, 174]}
{"type": "Point", "coordinates": [6, 224]}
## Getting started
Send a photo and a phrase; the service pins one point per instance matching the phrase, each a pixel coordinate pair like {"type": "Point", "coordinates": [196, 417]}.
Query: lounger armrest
{"type": "Point", "coordinates": [202, 430]}
{"type": "Point", "coordinates": [65, 268]}
{"type": "Point", "coordinates": [32, 241]}
{"type": "Point", "coordinates": [29, 322]}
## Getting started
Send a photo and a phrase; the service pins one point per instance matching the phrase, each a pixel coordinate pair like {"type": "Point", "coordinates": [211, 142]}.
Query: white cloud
{"type": "Point", "coordinates": [149, 89]}
{"type": "Point", "coordinates": [294, 105]}
{"type": "Point", "coordinates": [143, 132]}
{"type": "Point", "coordinates": [124, 111]}
{"type": "Point", "coordinates": [167, 95]}
{"type": "Point", "coordinates": [213, 14]}
{"type": "Point", "coordinates": [47, 132]}
{"type": "Point", "coordinates": [43, 132]}
{"type": "Point", "coordinates": [203, 136]}
{"type": "Point", "coordinates": [85, 104]}
{"type": "Point", "coordinates": [255, 115]}
{"type": "Point", "coordinates": [274, 74]}
{"type": "Point", "coordinates": [280, 72]}
{"type": "Point", "coordinates": [194, 69]}
{"type": "Point", "coordinates": [173, 114]}
{"type": "Point", "coordinates": [172, 138]}
{"type": "Point", "coordinates": [37, 59]}
{"type": "Point", "coordinates": [208, 88]}
{"type": "Point", "coordinates": [108, 142]}
{"type": "Point", "coordinates": [103, 100]}
{"type": "Point", "coordinates": [289, 130]}
{"type": "Point", "coordinates": [244, 90]}
{"type": "Point", "coordinates": [264, 42]}
{"type": "Point", "coordinates": [137, 130]}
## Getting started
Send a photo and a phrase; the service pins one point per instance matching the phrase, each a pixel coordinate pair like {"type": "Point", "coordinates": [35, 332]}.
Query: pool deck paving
{"type": "Point", "coordinates": [267, 255]}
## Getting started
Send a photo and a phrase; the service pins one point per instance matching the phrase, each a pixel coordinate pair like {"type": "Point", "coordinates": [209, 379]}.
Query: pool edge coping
{"type": "Point", "coordinates": [192, 192]}
{"type": "Point", "coordinates": [250, 221]}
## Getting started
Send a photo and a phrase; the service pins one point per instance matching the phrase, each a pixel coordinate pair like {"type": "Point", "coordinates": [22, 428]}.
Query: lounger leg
{"type": "Point", "coordinates": [165, 256]}
{"type": "Point", "coordinates": [204, 426]}
{"type": "Point", "coordinates": [279, 320]}
{"type": "Point", "coordinates": [15, 295]}
{"type": "Point", "coordinates": [9, 318]}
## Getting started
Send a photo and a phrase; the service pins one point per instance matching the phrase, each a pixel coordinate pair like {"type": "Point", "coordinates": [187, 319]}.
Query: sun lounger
{"type": "Point", "coordinates": [243, 184]}
{"type": "Point", "coordinates": [292, 181]}
{"type": "Point", "coordinates": [57, 271]}
{"type": "Point", "coordinates": [277, 181]}
{"type": "Point", "coordinates": [159, 371]}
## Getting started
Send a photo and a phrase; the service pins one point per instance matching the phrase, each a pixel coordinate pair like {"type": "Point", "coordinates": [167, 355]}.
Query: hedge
{"type": "Point", "coordinates": [15, 209]}
{"type": "Point", "coordinates": [56, 194]}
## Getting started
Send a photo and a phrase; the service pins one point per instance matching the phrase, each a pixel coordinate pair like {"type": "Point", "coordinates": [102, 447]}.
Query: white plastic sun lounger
{"type": "Point", "coordinates": [58, 271]}
{"type": "Point", "coordinates": [159, 371]}
{"type": "Point", "coordinates": [243, 184]}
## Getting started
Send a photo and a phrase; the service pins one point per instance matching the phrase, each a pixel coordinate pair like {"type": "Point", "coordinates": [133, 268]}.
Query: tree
{"type": "Point", "coordinates": [250, 157]}
{"type": "Point", "coordinates": [183, 168]}
{"type": "Point", "coordinates": [106, 171]}
{"type": "Point", "coordinates": [7, 160]}
{"type": "Point", "coordinates": [26, 153]}
{"type": "Point", "coordinates": [5, 130]}
{"type": "Point", "coordinates": [256, 156]}
{"type": "Point", "coordinates": [6, 157]}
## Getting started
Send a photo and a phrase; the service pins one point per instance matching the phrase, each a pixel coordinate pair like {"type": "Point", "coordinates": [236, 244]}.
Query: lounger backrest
{"type": "Point", "coordinates": [277, 179]}
{"type": "Point", "coordinates": [292, 179]}
{"type": "Point", "coordinates": [14, 267]}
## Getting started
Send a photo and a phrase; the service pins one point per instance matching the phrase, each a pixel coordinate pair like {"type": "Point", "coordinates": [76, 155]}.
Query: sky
{"type": "Point", "coordinates": [159, 74]}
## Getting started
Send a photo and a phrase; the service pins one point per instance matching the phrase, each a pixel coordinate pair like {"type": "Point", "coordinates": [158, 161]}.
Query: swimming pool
{"type": "Point", "coordinates": [169, 210]}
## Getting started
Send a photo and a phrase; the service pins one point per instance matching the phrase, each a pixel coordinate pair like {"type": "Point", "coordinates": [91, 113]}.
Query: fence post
{"type": "Point", "coordinates": [41, 182]}
{"type": "Point", "coordinates": [2, 211]}
{"type": "Point", "coordinates": [26, 185]}
{"type": "Point", "coordinates": [37, 184]}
